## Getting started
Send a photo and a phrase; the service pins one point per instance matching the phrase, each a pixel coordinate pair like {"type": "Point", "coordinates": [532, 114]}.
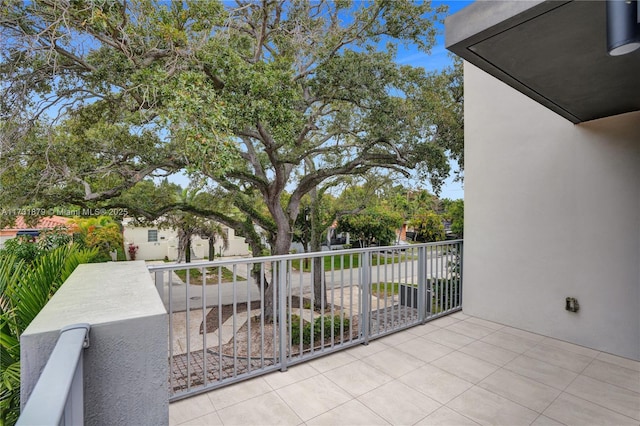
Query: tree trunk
{"type": "Point", "coordinates": [187, 251]}
{"type": "Point", "coordinates": [259, 278]}
{"type": "Point", "coordinates": [212, 248]}
{"type": "Point", "coordinates": [319, 293]}
{"type": "Point", "coordinates": [279, 246]}
{"type": "Point", "coordinates": [306, 243]}
{"type": "Point", "coordinates": [282, 244]}
{"type": "Point", "coordinates": [183, 238]}
{"type": "Point", "coordinates": [271, 301]}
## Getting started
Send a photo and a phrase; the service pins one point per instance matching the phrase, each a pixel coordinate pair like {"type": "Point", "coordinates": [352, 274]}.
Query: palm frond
{"type": "Point", "coordinates": [24, 290]}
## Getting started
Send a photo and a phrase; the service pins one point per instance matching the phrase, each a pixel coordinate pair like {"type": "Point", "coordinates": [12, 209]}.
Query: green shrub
{"type": "Point", "coordinates": [447, 292]}
{"type": "Point", "coordinates": [337, 323]}
{"type": "Point", "coordinates": [28, 248]}
{"type": "Point", "coordinates": [22, 247]}
{"type": "Point", "coordinates": [26, 285]}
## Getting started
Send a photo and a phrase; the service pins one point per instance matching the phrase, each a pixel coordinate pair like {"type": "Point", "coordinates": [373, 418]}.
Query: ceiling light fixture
{"type": "Point", "coordinates": [623, 26]}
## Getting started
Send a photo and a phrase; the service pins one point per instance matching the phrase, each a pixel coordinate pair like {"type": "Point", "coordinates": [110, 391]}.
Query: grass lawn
{"type": "Point", "coordinates": [195, 275]}
{"type": "Point", "coordinates": [382, 289]}
{"type": "Point", "coordinates": [347, 261]}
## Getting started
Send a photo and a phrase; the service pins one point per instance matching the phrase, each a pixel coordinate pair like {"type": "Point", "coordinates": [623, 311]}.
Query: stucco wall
{"type": "Point", "coordinates": [125, 367]}
{"type": "Point", "coordinates": [167, 244]}
{"type": "Point", "coordinates": [552, 210]}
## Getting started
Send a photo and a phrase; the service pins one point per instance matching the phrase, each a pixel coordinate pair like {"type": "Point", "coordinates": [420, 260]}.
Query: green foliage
{"type": "Point", "coordinates": [329, 263]}
{"type": "Point", "coordinates": [213, 274]}
{"type": "Point", "coordinates": [376, 224]}
{"type": "Point", "coordinates": [445, 293]}
{"type": "Point", "coordinates": [29, 248]}
{"type": "Point", "coordinates": [22, 247]}
{"type": "Point", "coordinates": [326, 326]}
{"type": "Point", "coordinates": [24, 290]}
{"type": "Point", "coordinates": [454, 211]}
{"type": "Point", "coordinates": [448, 92]}
{"type": "Point", "coordinates": [102, 233]}
{"type": "Point", "coordinates": [410, 202]}
{"type": "Point", "coordinates": [428, 226]}
{"type": "Point", "coordinates": [348, 261]}
{"type": "Point", "coordinates": [384, 289]}
{"type": "Point", "coordinates": [51, 239]}
{"type": "Point", "coordinates": [256, 99]}
{"type": "Point", "coordinates": [189, 224]}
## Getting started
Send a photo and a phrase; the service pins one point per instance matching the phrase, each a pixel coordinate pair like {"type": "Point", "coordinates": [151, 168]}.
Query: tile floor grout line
{"type": "Point", "coordinates": [609, 383]}
{"type": "Point", "coordinates": [540, 415]}
{"type": "Point", "coordinates": [344, 403]}
{"type": "Point", "coordinates": [456, 397]}
{"type": "Point", "coordinates": [497, 347]}
{"type": "Point", "coordinates": [407, 354]}
{"type": "Point", "coordinates": [560, 392]}
{"type": "Point", "coordinates": [507, 398]}
{"type": "Point", "coordinates": [455, 349]}
{"type": "Point", "coordinates": [621, 357]}
{"type": "Point", "coordinates": [287, 404]}
{"type": "Point", "coordinates": [575, 378]}
{"type": "Point", "coordinates": [199, 417]}
{"type": "Point", "coordinates": [536, 380]}
{"type": "Point", "coordinates": [529, 355]}
{"type": "Point", "coordinates": [564, 391]}
{"type": "Point", "coordinates": [585, 368]}
{"type": "Point", "coordinates": [598, 403]}
{"type": "Point", "coordinates": [238, 402]}
{"type": "Point", "coordinates": [355, 397]}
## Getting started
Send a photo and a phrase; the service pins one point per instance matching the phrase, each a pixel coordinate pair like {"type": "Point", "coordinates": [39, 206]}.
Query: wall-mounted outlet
{"type": "Point", "coordinates": [571, 304]}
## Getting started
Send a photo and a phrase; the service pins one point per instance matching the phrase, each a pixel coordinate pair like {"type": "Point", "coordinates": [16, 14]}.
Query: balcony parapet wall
{"type": "Point", "coordinates": [125, 367]}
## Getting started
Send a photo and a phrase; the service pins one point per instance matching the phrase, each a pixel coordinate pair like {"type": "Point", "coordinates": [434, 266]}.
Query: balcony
{"type": "Point", "coordinates": [456, 370]}
{"type": "Point", "coordinates": [235, 319]}
{"type": "Point", "coordinates": [399, 350]}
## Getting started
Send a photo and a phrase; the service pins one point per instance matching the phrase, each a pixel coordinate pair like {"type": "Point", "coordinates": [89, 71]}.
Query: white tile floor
{"type": "Point", "coordinates": [457, 370]}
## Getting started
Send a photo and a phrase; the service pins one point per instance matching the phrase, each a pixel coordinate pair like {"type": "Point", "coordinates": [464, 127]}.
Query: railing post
{"type": "Point", "coordinates": [282, 312]}
{"type": "Point", "coordinates": [159, 279]}
{"type": "Point", "coordinates": [422, 284]}
{"type": "Point", "coordinates": [460, 278]}
{"type": "Point", "coordinates": [366, 294]}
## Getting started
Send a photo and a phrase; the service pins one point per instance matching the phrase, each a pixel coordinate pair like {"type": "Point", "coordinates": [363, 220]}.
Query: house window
{"type": "Point", "coordinates": [152, 235]}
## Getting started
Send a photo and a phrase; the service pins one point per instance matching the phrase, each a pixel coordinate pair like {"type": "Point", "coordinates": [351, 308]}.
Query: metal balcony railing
{"type": "Point", "coordinates": [230, 320]}
{"type": "Point", "coordinates": [58, 397]}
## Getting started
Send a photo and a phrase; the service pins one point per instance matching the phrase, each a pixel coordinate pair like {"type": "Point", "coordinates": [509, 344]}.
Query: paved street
{"type": "Point", "coordinates": [299, 282]}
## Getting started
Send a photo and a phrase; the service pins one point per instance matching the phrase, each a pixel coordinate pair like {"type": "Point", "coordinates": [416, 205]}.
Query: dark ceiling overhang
{"type": "Point", "coordinates": [555, 52]}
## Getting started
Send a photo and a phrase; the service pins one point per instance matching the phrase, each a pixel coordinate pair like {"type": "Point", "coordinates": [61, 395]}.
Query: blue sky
{"type": "Point", "coordinates": [437, 60]}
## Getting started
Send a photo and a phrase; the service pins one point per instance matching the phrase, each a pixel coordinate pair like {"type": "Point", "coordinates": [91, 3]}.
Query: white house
{"type": "Point", "coordinates": [552, 170]}
{"type": "Point", "coordinates": [155, 243]}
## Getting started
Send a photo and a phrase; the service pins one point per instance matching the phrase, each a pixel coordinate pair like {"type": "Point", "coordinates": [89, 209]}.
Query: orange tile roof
{"type": "Point", "coordinates": [43, 223]}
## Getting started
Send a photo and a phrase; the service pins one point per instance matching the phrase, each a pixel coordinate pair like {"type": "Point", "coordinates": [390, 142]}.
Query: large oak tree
{"type": "Point", "coordinates": [98, 95]}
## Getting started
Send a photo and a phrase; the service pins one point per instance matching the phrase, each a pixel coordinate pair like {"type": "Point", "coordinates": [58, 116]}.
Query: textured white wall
{"type": "Point", "coordinates": [125, 366]}
{"type": "Point", "coordinates": [552, 209]}
{"type": "Point", "coordinates": [167, 244]}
